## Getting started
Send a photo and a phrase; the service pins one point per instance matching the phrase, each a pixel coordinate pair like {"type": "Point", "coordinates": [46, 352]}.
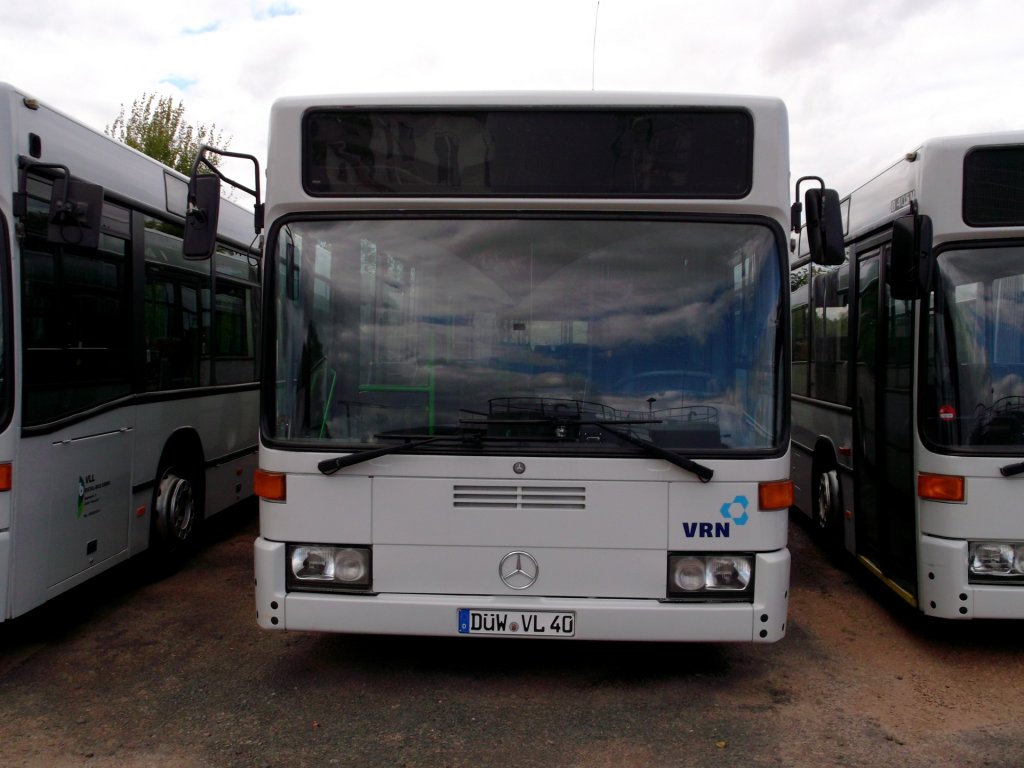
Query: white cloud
{"type": "Point", "coordinates": [864, 80]}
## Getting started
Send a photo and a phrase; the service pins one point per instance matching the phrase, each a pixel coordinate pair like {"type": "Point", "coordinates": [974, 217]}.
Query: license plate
{"type": "Point", "coordinates": [543, 623]}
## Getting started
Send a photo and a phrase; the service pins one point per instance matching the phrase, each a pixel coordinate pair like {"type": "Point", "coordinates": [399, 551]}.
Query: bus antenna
{"type": "Point", "coordinates": [593, 50]}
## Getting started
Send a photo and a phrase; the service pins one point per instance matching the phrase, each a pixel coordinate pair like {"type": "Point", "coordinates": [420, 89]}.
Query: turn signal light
{"type": "Point", "coordinates": [941, 487]}
{"type": "Point", "coordinates": [775, 495]}
{"type": "Point", "coordinates": [270, 486]}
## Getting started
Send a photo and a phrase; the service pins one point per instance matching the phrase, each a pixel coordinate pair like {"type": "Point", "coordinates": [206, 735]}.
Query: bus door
{"type": "Point", "coordinates": [885, 514]}
{"type": "Point", "coordinates": [75, 486]}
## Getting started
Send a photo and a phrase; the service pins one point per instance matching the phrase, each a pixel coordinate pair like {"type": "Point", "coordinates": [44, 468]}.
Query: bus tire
{"type": "Point", "coordinates": [827, 509]}
{"type": "Point", "coordinates": [177, 509]}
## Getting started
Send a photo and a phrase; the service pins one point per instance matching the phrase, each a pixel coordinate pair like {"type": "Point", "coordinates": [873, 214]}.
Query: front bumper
{"type": "Point", "coordinates": [763, 620]}
{"type": "Point", "coordinates": [944, 590]}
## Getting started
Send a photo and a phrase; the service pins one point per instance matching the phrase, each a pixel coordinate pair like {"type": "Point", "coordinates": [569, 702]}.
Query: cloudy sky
{"type": "Point", "coordinates": [864, 80]}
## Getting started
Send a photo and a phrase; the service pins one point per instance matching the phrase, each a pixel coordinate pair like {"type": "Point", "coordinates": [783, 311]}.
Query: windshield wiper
{"type": "Point", "coordinates": [704, 473]}
{"type": "Point", "coordinates": [412, 440]}
{"type": "Point", "coordinates": [330, 466]}
{"type": "Point", "coordinates": [1012, 469]}
{"type": "Point", "coordinates": [565, 417]}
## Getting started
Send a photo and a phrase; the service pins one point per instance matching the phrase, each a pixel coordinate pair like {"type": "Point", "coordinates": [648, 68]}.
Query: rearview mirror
{"type": "Point", "coordinates": [201, 218]}
{"type": "Point", "coordinates": [824, 227]}
{"type": "Point", "coordinates": [909, 267]}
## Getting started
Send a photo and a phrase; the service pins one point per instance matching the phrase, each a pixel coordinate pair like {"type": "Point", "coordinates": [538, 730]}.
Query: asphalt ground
{"type": "Point", "coordinates": [134, 671]}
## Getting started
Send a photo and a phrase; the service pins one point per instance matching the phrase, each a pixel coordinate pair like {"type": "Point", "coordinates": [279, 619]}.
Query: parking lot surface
{"type": "Point", "coordinates": [131, 671]}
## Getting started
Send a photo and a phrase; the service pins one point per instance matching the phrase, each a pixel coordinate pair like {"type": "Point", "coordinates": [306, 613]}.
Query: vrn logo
{"type": "Point", "coordinates": [734, 511]}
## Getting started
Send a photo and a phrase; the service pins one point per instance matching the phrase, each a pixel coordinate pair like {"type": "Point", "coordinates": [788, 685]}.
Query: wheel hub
{"type": "Point", "coordinates": [175, 507]}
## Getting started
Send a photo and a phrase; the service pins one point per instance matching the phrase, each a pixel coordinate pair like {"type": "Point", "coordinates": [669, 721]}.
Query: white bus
{"type": "Point", "coordinates": [908, 379]}
{"type": "Point", "coordinates": [128, 380]}
{"type": "Point", "coordinates": [526, 367]}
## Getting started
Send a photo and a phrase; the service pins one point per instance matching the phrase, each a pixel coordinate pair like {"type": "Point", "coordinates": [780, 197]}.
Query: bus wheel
{"type": "Point", "coordinates": [176, 511]}
{"type": "Point", "coordinates": [827, 512]}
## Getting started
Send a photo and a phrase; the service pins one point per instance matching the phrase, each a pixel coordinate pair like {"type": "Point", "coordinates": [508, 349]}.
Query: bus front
{"type": "Point", "coordinates": [971, 403]}
{"type": "Point", "coordinates": [525, 368]}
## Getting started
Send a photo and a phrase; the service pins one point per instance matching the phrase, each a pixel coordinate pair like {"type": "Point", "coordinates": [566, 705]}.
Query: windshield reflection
{"type": "Point", "coordinates": [419, 325]}
{"type": "Point", "coordinates": [975, 397]}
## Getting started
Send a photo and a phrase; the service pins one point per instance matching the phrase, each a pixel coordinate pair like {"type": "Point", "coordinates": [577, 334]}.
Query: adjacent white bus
{"type": "Point", "coordinates": [908, 382]}
{"type": "Point", "coordinates": [128, 381]}
{"type": "Point", "coordinates": [526, 367]}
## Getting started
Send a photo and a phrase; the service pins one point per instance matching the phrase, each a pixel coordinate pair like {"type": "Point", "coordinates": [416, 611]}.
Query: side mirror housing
{"type": "Point", "coordinates": [76, 209]}
{"type": "Point", "coordinates": [824, 227]}
{"type": "Point", "coordinates": [909, 268]}
{"type": "Point", "coordinates": [201, 218]}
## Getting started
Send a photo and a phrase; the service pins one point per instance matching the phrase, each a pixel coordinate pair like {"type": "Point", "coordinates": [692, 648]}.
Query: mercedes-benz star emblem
{"type": "Point", "coordinates": [518, 570]}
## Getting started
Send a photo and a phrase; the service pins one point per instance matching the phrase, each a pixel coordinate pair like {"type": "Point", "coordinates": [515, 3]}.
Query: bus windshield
{"type": "Point", "coordinates": [530, 328]}
{"type": "Point", "coordinates": [976, 351]}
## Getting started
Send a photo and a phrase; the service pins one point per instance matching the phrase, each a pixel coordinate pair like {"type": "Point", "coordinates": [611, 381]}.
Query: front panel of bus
{"type": "Point", "coordinates": [971, 406]}
{"type": "Point", "coordinates": [909, 415]}
{"type": "Point", "coordinates": [505, 396]}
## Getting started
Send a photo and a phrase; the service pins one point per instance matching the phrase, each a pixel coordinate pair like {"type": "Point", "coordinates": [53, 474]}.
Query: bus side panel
{"type": "Point", "coordinates": [5, 571]}
{"type": "Point", "coordinates": [800, 472]}
{"type": "Point", "coordinates": [229, 425]}
{"type": "Point", "coordinates": [830, 430]}
{"type": "Point", "coordinates": [73, 492]}
{"type": "Point", "coordinates": [229, 482]}
{"type": "Point", "coordinates": [5, 513]}
{"type": "Point", "coordinates": [226, 425]}
{"type": "Point", "coordinates": [5, 550]}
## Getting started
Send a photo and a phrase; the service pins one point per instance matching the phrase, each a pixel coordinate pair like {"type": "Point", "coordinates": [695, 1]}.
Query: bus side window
{"type": "Point", "coordinates": [74, 315]}
{"type": "Point", "coordinates": [237, 316]}
{"type": "Point", "coordinates": [177, 312]}
{"type": "Point", "coordinates": [801, 341]}
{"type": "Point", "coordinates": [830, 332]}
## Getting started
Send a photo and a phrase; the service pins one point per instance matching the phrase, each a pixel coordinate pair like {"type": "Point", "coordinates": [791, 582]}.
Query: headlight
{"type": "Point", "coordinates": [995, 561]}
{"type": "Point", "coordinates": [728, 572]}
{"type": "Point", "coordinates": [687, 573]}
{"type": "Point", "coordinates": [320, 567]}
{"type": "Point", "coordinates": [706, 576]}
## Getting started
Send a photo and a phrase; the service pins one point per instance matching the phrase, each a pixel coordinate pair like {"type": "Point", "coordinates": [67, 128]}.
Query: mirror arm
{"type": "Point", "coordinates": [202, 161]}
{"type": "Point", "coordinates": [21, 195]}
{"type": "Point", "coordinates": [797, 208]}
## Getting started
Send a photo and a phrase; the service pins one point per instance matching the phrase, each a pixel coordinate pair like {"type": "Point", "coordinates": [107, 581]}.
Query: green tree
{"type": "Point", "coordinates": [157, 127]}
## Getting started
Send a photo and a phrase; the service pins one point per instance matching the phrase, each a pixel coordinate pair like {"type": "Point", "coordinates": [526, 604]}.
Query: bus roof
{"type": "Point", "coordinates": [933, 176]}
{"type": "Point", "coordinates": [531, 98]}
{"type": "Point", "coordinates": [122, 171]}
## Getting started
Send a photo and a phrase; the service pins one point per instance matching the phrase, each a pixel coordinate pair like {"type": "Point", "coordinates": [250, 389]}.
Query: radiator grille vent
{"type": "Point", "coordinates": [519, 497]}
